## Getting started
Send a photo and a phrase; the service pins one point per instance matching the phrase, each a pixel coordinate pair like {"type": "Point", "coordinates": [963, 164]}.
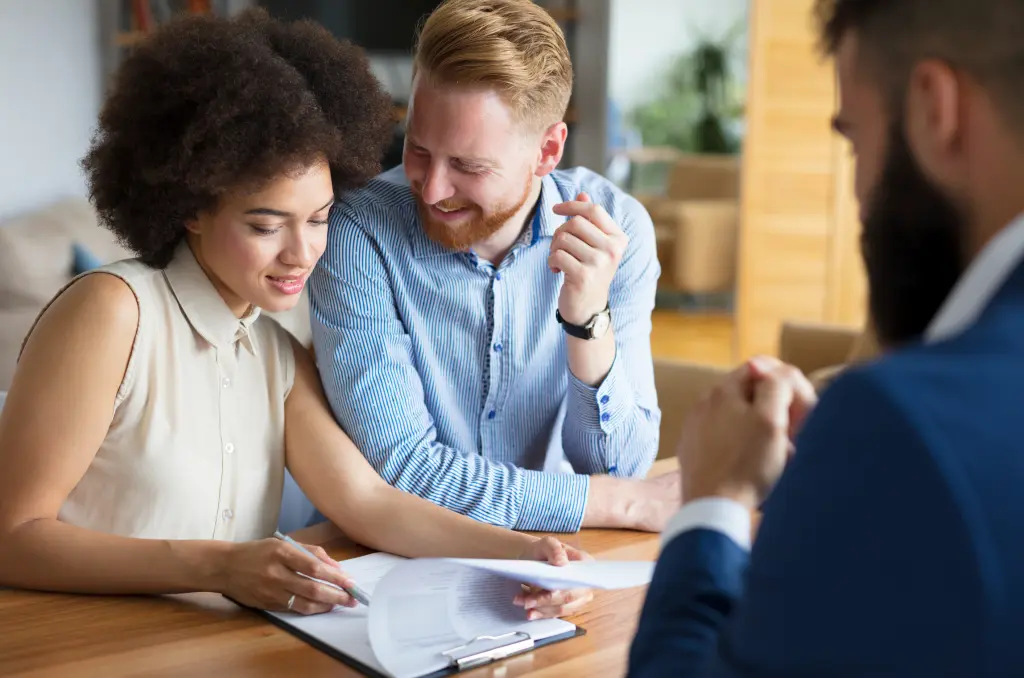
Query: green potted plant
{"type": "Point", "coordinates": [701, 101]}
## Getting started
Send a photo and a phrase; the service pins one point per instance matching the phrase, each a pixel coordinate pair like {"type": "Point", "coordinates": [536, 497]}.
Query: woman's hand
{"type": "Point", "coordinates": [541, 604]}
{"type": "Point", "coordinates": [264, 574]}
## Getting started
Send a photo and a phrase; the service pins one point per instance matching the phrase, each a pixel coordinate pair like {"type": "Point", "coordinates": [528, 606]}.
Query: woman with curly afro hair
{"type": "Point", "coordinates": [154, 411]}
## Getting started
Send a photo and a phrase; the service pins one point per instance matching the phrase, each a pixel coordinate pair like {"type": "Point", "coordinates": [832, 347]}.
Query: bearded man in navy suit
{"type": "Point", "coordinates": [892, 539]}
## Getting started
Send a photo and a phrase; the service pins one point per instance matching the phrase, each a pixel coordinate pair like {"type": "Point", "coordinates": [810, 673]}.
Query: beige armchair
{"type": "Point", "coordinates": [820, 351]}
{"type": "Point", "coordinates": [698, 244]}
{"type": "Point", "coordinates": [823, 351]}
{"type": "Point", "coordinates": [680, 386]}
{"type": "Point", "coordinates": [697, 223]}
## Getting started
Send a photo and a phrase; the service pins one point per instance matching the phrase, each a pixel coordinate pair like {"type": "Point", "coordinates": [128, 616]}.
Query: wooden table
{"type": "Point", "coordinates": [203, 634]}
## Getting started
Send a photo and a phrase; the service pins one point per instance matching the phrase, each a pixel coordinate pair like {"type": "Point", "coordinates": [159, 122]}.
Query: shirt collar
{"type": "Point", "coordinates": [546, 222]}
{"type": "Point", "coordinates": [204, 308]}
{"type": "Point", "coordinates": [979, 283]}
{"type": "Point", "coordinates": [542, 225]}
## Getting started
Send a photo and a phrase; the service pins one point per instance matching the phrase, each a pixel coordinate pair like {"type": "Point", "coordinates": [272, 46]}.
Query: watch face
{"type": "Point", "coordinates": [600, 325]}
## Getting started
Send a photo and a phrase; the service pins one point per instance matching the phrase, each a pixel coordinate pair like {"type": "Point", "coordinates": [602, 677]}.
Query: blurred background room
{"type": "Point", "coordinates": [715, 114]}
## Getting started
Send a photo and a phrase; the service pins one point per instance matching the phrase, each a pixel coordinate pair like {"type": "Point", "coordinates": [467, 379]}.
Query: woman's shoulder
{"type": "Point", "coordinates": [132, 272]}
{"type": "Point", "coordinates": [104, 297]}
{"type": "Point", "coordinates": [117, 284]}
{"type": "Point", "coordinates": [100, 298]}
{"type": "Point", "coordinates": [90, 306]}
{"type": "Point", "coordinates": [113, 290]}
{"type": "Point", "coordinates": [104, 294]}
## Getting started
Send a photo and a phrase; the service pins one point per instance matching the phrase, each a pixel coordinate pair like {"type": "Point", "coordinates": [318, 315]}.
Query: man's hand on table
{"type": "Point", "coordinates": [644, 505]}
{"type": "Point", "coordinates": [737, 441]}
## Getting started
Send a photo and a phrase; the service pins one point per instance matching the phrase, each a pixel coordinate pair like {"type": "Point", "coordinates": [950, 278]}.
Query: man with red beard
{"type": "Point", "coordinates": [481, 319]}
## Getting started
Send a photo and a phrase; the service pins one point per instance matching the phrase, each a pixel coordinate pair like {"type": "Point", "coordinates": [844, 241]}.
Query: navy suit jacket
{"type": "Point", "coordinates": [893, 544]}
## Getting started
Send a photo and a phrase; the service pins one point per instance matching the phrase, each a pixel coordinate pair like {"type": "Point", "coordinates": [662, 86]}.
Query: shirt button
{"type": "Point", "coordinates": [605, 416]}
{"type": "Point", "coordinates": [226, 383]}
{"type": "Point", "coordinates": [497, 276]}
{"type": "Point", "coordinates": [497, 347]}
{"type": "Point", "coordinates": [228, 514]}
{"type": "Point", "coordinates": [229, 448]}
{"type": "Point", "coordinates": [492, 414]}
{"type": "Point", "coordinates": [604, 400]}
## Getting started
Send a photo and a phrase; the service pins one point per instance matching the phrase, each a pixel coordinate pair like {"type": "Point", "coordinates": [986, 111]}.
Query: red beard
{"type": "Point", "coordinates": [477, 228]}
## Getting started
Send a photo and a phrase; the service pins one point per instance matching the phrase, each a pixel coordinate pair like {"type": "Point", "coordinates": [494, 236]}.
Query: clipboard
{"type": "Point", "coordinates": [464, 658]}
{"type": "Point", "coordinates": [460, 658]}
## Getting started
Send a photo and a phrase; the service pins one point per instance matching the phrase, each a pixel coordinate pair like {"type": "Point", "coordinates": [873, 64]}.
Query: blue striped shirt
{"type": "Point", "coordinates": [451, 375]}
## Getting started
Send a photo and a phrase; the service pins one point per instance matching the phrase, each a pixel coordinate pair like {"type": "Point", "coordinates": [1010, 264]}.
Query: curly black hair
{"type": "Point", "coordinates": [210, 104]}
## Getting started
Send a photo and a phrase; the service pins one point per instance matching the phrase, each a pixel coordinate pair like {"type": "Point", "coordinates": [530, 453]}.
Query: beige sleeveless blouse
{"type": "Point", "coordinates": [195, 449]}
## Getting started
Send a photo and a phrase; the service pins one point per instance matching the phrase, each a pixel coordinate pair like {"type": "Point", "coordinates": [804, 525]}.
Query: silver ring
{"type": "Point", "coordinates": [291, 601]}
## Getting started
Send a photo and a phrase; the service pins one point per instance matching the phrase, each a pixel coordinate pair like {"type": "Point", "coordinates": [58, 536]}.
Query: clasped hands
{"type": "Point", "coordinates": [736, 442]}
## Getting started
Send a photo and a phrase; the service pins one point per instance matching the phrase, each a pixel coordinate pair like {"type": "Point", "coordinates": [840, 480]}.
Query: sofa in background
{"type": "Point", "coordinates": [819, 351]}
{"type": "Point", "coordinates": [696, 222]}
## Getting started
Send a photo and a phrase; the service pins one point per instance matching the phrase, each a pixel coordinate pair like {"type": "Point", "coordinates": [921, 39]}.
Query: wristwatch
{"type": "Point", "coordinates": [595, 328]}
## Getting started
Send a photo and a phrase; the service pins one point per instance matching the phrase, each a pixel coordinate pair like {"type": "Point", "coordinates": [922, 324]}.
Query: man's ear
{"type": "Point", "coordinates": [934, 120]}
{"type": "Point", "coordinates": [552, 147]}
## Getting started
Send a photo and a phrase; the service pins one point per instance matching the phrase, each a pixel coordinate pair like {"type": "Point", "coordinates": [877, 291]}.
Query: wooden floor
{"type": "Point", "coordinates": [696, 337]}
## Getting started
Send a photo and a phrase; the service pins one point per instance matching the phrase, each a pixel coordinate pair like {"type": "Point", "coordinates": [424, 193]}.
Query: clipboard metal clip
{"type": "Point", "coordinates": [461, 659]}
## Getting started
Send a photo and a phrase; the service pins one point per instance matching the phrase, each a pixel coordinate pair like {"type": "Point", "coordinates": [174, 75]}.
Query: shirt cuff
{"type": "Point", "coordinates": [712, 513]}
{"type": "Point", "coordinates": [552, 502]}
{"type": "Point", "coordinates": [604, 408]}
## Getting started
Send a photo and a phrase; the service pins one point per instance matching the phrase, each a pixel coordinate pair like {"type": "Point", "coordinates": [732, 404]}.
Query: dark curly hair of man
{"type": "Point", "coordinates": [207, 105]}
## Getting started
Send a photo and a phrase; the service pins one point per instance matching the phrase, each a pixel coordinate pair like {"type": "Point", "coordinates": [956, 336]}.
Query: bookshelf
{"type": "Point", "coordinates": [138, 18]}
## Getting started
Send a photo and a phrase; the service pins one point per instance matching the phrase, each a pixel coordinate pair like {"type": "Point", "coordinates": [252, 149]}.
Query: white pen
{"type": "Point", "coordinates": [353, 591]}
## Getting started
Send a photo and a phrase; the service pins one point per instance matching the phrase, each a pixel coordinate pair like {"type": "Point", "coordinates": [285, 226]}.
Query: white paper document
{"type": "Point", "coordinates": [590, 574]}
{"type": "Point", "coordinates": [423, 609]}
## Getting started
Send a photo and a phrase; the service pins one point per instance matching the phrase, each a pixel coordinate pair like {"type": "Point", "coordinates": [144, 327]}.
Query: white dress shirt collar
{"type": "Point", "coordinates": [979, 283]}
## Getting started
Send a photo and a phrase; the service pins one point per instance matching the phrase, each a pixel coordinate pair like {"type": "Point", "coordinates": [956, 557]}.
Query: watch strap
{"type": "Point", "coordinates": [579, 331]}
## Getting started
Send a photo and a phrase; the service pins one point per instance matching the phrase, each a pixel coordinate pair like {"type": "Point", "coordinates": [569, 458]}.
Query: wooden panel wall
{"type": "Point", "coordinates": [798, 256]}
{"type": "Point", "coordinates": [847, 292]}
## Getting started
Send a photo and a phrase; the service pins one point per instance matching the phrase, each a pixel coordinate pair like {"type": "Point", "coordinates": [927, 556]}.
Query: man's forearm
{"type": "Point", "coordinates": [590, 360]}
{"type": "Point", "coordinates": [611, 502]}
{"type": "Point", "coordinates": [632, 504]}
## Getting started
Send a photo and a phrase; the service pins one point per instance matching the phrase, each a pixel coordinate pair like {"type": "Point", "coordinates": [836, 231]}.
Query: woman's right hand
{"type": "Point", "coordinates": [263, 574]}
